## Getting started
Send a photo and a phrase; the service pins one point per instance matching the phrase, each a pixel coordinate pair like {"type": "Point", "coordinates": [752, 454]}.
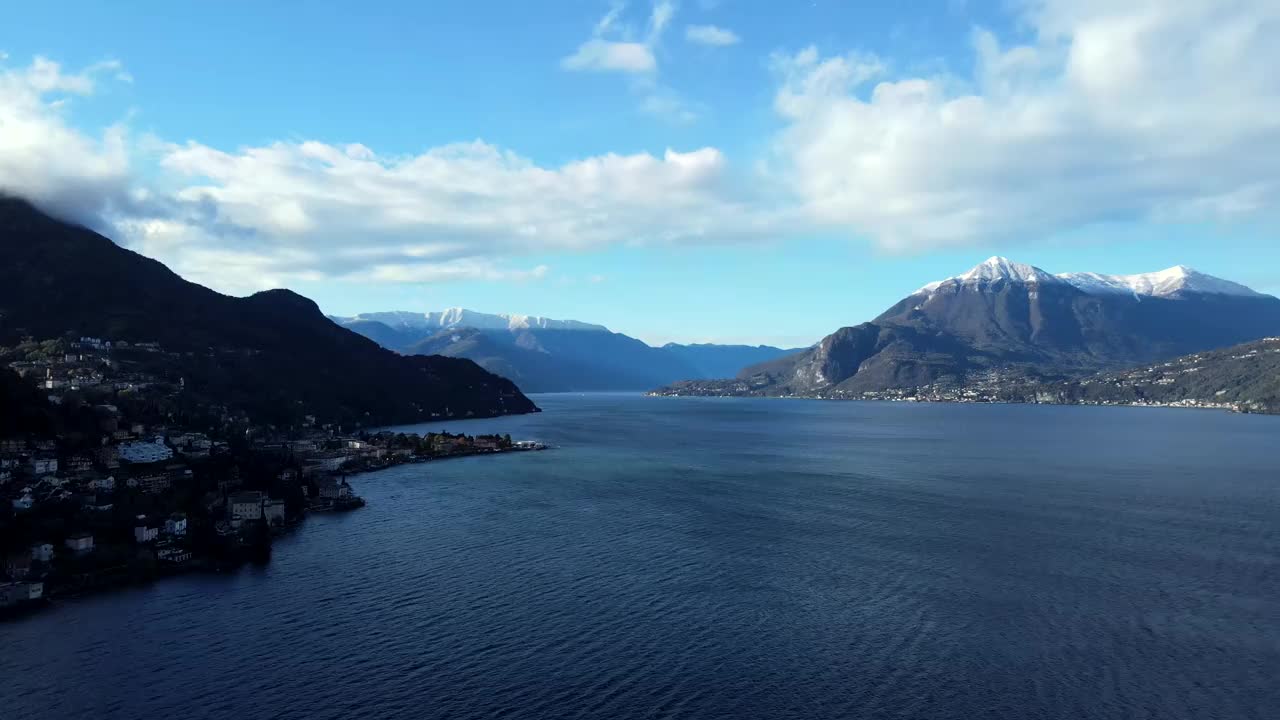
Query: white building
{"type": "Point", "coordinates": [334, 489]}
{"type": "Point", "coordinates": [80, 543]}
{"type": "Point", "coordinates": [176, 525]}
{"type": "Point", "coordinates": [145, 452]}
{"type": "Point", "coordinates": [245, 506]}
{"type": "Point", "coordinates": [42, 552]}
{"type": "Point", "coordinates": [44, 466]}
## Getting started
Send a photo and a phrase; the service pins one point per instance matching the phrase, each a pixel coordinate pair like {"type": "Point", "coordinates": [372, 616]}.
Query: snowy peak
{"type": "Point", "coordinates": [995, 269]}
{"type": "Point", "coordinates": [1164, 283]}
{"type": "Point", "coordinates": [999, 268]}
{"type": "Point", "coordinates": [457, 317]}
{"type": "Point", "coordinates": [1174, 281]}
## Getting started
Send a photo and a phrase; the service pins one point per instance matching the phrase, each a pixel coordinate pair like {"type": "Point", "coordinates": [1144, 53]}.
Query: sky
{"type": "Point", "coordinates": [694, 171]}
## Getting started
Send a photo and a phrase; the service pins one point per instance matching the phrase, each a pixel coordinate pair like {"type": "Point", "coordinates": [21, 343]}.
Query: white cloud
{"type": "Point", "coordinates": [663, 102]}
{"type": "Point", "coordinates": [272, 215]}
{"type": "Point", "coordinates": [611, 56]}
{"type": "Point", "coordinates": [1146, 110]}
{"type": "Point", "coordinates": [280, 213]}
{"type": "Point", "coordinates": [464, 269]}
{"type": "Point", "coordinates": [711, 35]}
{"type": "Point", "coordinates": [42, 157]}
{"type": "Point", "coordinates": [448, 213]}
{"type": "Point", "coordinates": [663, 11]}
{"type": "Point", "coordinates": [1116, 111]}
{"type": "Point", "coordinates": [611, 49]}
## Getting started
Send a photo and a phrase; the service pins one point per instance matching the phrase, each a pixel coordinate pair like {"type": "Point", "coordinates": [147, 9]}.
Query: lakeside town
{"type": "Point", "coordinates": [115, 480]}
{"type": "Point", "coordinates": [1239, 379]}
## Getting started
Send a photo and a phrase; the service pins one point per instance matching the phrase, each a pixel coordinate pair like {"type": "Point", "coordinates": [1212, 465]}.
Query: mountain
{"type": "Point", "coordinates": [1174, 282]}
{"type": "Point", "coordinates": [273, 354]}
{"type": "Point", "coordinates": [722, 361]}
{"type": "Point", "coordinates": [1245, 378]}
{"type": "Point", "coordinates": [1023, 314]}
{"type": "Point", "coordinates": [1003, 315]}
{"type": "Point", "coordinates": [544, 355]}
{"type": "Point", "coordinates": [462, 318]}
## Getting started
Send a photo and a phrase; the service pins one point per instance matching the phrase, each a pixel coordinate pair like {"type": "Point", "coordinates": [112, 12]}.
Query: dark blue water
{"type": "Point", "coordinates": [732, 559]}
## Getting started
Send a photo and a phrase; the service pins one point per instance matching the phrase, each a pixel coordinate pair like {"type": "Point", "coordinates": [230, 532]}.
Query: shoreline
{"type": "Point", "coordinates": [1233, 409]}
{"type": "Point", "coordinates": [107, 580]}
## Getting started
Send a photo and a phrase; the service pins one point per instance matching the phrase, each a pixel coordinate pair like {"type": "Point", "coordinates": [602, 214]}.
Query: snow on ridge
{"type": "Point", "coordinates": [457, 317]}
{"type": "Point", "coordinates": [993, 269]}
{"type": "Point", "coordinates": [1162, 283]}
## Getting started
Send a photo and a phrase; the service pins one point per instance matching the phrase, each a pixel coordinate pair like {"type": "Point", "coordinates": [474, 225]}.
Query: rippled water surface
{"type": "Point", "coordinates": [690, 558]}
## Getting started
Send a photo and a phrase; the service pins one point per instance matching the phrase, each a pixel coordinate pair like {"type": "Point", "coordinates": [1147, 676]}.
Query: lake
{"type": "Point", "coordinates": [731, 558]}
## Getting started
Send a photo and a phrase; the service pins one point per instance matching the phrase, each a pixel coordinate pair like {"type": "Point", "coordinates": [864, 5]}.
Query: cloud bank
{"type": "Point", "coordinates": [1145, 110]}
{"type": "Point", "coordinates": [1140, 111]}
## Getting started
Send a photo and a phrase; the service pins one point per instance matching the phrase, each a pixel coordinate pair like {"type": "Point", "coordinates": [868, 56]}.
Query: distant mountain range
{"type": "Point", "coordinates": [273, 355]}
{"type": "Point", "coordinates": [544, 355]}
{"type": "Point", "coordinates": [1014, 317]}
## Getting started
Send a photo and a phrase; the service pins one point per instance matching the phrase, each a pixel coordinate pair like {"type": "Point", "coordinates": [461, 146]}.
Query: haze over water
{"type": "Point", "coordinates": [688, 558]}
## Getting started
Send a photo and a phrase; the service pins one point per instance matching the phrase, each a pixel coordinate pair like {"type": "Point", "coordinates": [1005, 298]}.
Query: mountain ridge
{"type": "Point", "coordinates": [273, 354]}
{"type": "Point", "coordinates": [544, 355]}
{"type": "Point", "coordinates": [1007, 316]}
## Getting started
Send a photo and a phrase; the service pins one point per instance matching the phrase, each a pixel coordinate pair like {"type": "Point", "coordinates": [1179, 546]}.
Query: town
{"type": "Point", "coordinates": [109, 476]}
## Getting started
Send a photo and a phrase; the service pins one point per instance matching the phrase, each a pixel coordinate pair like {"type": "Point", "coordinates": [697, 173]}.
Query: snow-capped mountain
{"type": "Point", "coordinates": [457, 317]}
{"type": "Point", "coordinates": [1014, 318]}
{"type": "Point", "coordinates": [993, 269]}
{"type": "Point", "coordinates": [1163, 283]}
{"type": "Point", "coordinates": [544, 355]}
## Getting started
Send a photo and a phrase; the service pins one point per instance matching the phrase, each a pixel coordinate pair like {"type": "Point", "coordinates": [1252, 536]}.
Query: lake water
{"type": "Point", "coordinates": [705, 558]}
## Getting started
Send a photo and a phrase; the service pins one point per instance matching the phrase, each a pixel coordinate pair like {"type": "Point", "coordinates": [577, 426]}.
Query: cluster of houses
{"type": "Point", "coordinates": [175, 474]}
{"type": "Point", "coordinates": [36, 470]}
{"type": "Point", "coordinates": [85, 363]}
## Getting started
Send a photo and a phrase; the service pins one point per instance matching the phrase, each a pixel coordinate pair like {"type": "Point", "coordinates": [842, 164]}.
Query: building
{"type": "Point", "coordinates": [42, 552]}
{"type": "Point", "coordinates": [18, 565]}
{"type": "Point", "coordinates": [145, 532]}
{"type": "Point", "coordinates": [78, 465]}
{"type": "Point", "coordinates": [174, 555]}
{"type": "Point", "coordinates": [108, 456]}
{"type": "Point", "coordinates": [191, 444]}
{"type": "Point", "coordinates": [145, 452]}
{"type": "Point", "coordinates": [328, 462]}
{"type": "Point", "coordinates": [80, 543]}
{"type": "Point", "coordinates": [334, 489]}
{"type": "Point", "coordinates": [176, 525]}
{"type": "Point", "coordinates": [273, 512]}
{"type": "Point", "coordinates": [20, 592]}
{"type": "Point", "coordinates": [152, 482]}
{"type": "Point", "coordinates": [245, 506]}
{"type": "Point", "coordinates": [43, 465]}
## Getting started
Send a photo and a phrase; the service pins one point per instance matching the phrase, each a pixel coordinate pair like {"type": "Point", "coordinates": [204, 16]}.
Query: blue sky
{"type": "Point", "coordinates": [714, 170]}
